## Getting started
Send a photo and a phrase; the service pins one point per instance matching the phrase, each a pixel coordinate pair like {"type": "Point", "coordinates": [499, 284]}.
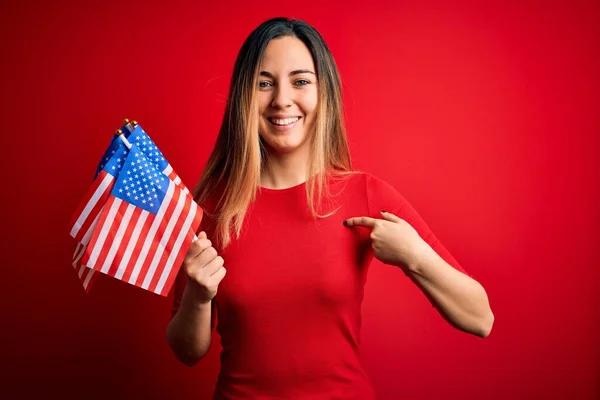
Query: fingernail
{"type": "Point", "coordinates": [383, 211]}
{"type": "Point", "coordinates": [345, 223]}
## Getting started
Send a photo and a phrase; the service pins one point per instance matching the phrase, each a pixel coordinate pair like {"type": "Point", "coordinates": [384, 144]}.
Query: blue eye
{"type": "Point", "coordinates": [264, 84]}
{"type": "Point", "coordinates": [302, 82]}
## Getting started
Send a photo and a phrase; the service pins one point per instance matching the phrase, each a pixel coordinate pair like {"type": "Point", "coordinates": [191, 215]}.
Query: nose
{"type": "Point", "coordinates": [282, 97]}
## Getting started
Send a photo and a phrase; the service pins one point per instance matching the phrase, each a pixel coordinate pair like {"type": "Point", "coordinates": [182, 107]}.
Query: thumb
{"type": "Point", "coordinates": [390, 217]}
{"type": "Point", "coordinates": [202, 235]}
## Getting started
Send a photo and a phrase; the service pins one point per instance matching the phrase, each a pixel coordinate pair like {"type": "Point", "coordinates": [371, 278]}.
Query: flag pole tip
{"type": "Point", "coordinates": [134, 123]}
{"type": "Point", "coordinates": [125, 121]}
{"type": "Point", "coordinates": [118, 132]}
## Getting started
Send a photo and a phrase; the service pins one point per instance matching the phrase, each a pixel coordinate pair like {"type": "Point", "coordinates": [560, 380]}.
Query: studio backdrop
{"type": "Point", "coordinates": [484, 115]}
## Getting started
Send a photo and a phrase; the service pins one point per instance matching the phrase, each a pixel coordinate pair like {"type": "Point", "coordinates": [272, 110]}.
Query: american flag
{"type": "Point", "coordinates": [146, 225]}
{"type": "Point", "coordinates": [88, 212]}
{"type": "Point", "coordinates": [86, 216]}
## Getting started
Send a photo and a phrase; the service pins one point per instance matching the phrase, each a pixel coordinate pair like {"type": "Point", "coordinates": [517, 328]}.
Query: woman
{"type": "Point", "coordinates": [296, 228]}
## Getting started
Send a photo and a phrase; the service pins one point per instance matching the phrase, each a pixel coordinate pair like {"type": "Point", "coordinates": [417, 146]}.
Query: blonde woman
{"type": "Point", "coordinates": [289, 231]}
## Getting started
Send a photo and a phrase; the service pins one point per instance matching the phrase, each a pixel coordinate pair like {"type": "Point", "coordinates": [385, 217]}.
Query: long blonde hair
{"type": "Point", "coordinates": [234, 166]}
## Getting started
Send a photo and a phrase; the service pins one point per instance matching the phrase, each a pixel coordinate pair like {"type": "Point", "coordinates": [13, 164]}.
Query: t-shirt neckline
{"type": "Point", "coordinates": [290, 189]}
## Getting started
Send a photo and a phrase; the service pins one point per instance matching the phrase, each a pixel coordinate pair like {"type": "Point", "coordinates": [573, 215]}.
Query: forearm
{"type": "Point", "coordinates": [460, 299]}
{"type": "Point", "coordinates": [189, 331]}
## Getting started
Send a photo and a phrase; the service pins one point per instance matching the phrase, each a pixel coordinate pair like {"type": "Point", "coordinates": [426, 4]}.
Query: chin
{"type": "Point", "coordinates": [283, 148]}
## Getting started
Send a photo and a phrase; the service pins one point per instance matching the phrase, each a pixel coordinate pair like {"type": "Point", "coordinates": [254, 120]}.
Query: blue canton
{"type": "Point", "coordinates": [147, 146]}
{"type": "Point", "coordinates": [115, 144]}
{"type": "Point", "coordinates": [140, 182]}
{"type": "Point", "coordinates": [116, 161]}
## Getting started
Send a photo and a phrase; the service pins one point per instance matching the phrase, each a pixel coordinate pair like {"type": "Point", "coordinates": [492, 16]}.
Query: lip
{"type": "Point", "coordinates": [283, 128]}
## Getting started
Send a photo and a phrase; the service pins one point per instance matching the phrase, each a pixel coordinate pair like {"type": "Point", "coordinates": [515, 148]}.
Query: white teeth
{"type": "Point", "coordinates": [285, 121]}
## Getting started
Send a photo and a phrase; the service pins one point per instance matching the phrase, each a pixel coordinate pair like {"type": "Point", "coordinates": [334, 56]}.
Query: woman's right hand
{"type": "Point", "coordinates": [204, 268]}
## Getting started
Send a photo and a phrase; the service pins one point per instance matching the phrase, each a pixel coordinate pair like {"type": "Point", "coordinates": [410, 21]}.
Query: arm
{"type": "Point", "coordinates": [403, 239]}
{"type": "Point", "coordinates": [460, 299]}
{"type": "Point", "coordinates": [189, 331]}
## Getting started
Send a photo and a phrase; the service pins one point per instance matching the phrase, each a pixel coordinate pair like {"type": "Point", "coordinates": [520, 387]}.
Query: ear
{"type": "Point", "coordinates": [390, 217]}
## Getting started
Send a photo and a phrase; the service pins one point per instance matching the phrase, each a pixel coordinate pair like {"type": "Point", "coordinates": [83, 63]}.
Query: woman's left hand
{"type": "Point", "coordinates": [394, 240]}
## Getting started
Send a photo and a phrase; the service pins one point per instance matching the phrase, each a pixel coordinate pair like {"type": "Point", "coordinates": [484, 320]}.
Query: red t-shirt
{"type": "Point", "coordinates": [289, 308]}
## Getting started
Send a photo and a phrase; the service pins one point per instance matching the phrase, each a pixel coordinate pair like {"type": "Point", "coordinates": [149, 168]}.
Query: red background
{"type": "Point", "coordinates": [485, 116]}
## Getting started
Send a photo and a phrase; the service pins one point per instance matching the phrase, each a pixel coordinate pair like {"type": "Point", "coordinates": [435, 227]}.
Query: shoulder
{"type": "Point", "coordinates": [380, 194]}
{"type": "Point", "coordinates": [367, 180]}
{"type": "Point", "coordinates": [377, 187]}
{"type": "Point", "coordinates": [359, 179]}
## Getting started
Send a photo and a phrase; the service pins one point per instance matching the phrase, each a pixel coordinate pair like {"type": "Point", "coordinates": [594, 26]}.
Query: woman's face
{"type": "Point", "coordinates": [287, 92]}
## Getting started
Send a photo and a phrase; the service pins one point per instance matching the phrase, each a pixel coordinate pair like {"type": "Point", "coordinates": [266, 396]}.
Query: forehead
{"type": "Point", "coordinates": [286, 54]}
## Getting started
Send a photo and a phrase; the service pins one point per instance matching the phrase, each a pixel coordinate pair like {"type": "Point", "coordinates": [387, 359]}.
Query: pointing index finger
{"type": "Point", "coordinates": [367, 222]}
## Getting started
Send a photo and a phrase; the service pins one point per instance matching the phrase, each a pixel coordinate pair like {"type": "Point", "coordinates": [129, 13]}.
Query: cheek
{"type": "Point", "coordinates": [263, 103]}
{"type": "Point", "coordinates": [308, 105]}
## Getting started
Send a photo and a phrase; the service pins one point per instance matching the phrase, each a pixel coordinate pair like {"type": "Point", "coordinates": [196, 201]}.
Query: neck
{"type": "Point", "coordinates": [282, 171]}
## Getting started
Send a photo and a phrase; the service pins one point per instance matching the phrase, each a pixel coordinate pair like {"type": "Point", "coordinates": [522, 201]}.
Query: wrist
{"type": "Point", "coordinates": [194, 299]}
{"type": "Point", "coordinates": [421, 255]}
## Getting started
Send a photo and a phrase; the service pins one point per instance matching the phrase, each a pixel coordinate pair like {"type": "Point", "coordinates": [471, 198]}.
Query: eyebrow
{"type": "Point", "coordinates": [294, 72]}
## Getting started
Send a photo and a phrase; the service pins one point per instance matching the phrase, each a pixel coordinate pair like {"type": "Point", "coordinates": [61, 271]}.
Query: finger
{"type": "Point", "coordinates": [390, 217]}
{"type": "Point", "coordinates": [218, 275]}
{"type": "Point", "coordinates": [202, 235]}
{"type": "Point", "coordinates": [367, 222]}
{"type": "Point", "coordinates": [214, 265]}
{"type": "Point", "coordinates": [196, 248]}
{"type": "Point", "coordinates": [206, 257]}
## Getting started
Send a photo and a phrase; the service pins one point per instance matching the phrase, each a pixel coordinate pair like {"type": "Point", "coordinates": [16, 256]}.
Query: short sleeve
{"type": "Point", "coordinates": [381, 196]}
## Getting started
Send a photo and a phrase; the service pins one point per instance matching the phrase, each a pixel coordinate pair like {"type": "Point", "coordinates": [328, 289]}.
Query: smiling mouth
{"type": "Point", "coordinates": [283, 121]}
